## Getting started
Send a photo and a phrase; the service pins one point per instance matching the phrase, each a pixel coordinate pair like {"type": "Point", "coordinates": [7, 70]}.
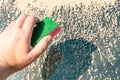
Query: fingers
{"type": "Point", "coordinates": [20, 21]}
{"type": "Point", "coordinates": [39, 48]}
{"type": "Point", "coordinates": [26, 23]}
{"type": "Point", "coordinates": [30, 22]}
{"type": "Point", "coordinates": [28, 26]}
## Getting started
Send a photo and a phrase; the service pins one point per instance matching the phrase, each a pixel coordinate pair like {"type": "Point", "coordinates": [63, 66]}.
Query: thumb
{"type": "Point", "coordinates": [39, 48]}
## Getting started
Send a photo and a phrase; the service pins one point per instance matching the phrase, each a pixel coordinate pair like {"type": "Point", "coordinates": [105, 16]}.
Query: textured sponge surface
{"type": "Point", "coordinates": [45, 27]}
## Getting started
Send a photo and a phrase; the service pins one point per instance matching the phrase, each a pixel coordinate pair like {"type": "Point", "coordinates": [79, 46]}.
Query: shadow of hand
{"type": "Point", "coordinates": [69, 60]}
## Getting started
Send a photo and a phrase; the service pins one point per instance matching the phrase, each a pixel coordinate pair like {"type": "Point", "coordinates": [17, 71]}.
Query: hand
{"type": "Point", "coordinates": [15, 40]}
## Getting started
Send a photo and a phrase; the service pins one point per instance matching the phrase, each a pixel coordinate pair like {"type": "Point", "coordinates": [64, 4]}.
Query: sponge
{"type": "Point", "coordinates": [43, 28]}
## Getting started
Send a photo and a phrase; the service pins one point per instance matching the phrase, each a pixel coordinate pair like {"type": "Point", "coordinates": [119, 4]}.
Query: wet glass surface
{"type": "Point", "coordinates": [88, 47]}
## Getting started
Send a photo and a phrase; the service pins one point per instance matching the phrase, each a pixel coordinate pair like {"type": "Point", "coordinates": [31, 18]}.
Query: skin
{"type": "Point", "coordinates": [15, 49]}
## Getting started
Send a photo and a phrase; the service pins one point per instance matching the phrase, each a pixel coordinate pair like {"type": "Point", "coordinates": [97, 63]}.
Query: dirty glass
{"type": "Point", "coordinates": [87, 48]}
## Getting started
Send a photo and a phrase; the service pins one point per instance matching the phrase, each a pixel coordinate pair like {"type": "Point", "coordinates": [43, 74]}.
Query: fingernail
{"type": "Point", "coordinates": [37, 20]}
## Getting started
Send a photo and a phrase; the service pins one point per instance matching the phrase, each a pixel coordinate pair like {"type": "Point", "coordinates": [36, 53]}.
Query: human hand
{"type": "Point", "coordinates": [15, 40]}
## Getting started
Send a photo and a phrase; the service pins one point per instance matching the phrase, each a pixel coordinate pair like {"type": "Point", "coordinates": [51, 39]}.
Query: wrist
{"type": "Point", "coordinates": [5, 71]}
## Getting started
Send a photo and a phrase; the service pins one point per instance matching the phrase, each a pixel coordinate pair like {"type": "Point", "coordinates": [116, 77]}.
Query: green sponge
{"type": "Point", "coordinates": [45, 27]}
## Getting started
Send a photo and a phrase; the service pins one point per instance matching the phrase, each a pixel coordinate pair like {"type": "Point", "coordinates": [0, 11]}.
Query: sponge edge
{"type": "Point", "coordinates": [45, 27]}
{"type": "Point", "coordinates": [55, 31]}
